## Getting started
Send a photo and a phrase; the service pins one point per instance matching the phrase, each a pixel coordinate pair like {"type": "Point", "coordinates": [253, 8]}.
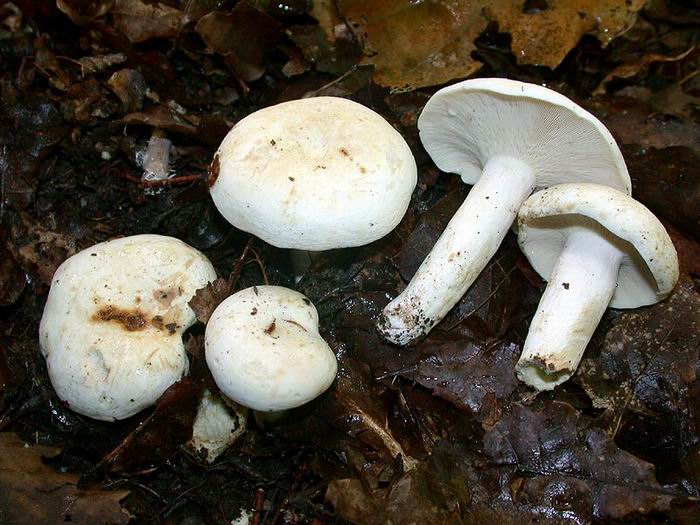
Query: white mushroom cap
{"type": "Point", "coordinates": [264, 350]}
{"type": "Point", "coordinates": [314, 174]}
{"type": "Point", "coordinates": [217, 426]}
{"type": "Point", "coordinates": [464, 125]}
{"type": "Point", "coordinates": [112, 326]}
{"type": "Point", "coordinates": [649, 266]}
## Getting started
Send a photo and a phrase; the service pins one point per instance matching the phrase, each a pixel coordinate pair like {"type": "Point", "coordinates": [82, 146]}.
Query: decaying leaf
{"type": "Point", "coordinates": [206, 299]}
{"type": "Point", "coordinates": [555, 455]}
{"type": "Point", "coordinates": [644, 376]}
{"type": "Point", "coordinates": [244, 36]}
{"type": "Point", "coordinates": [632, 69]}
{"type": "Point", "coordinates": [544, 35]}
{"type": "Point", "coordinates": [12, 278]}
{"type": "Point", "coordinates": [35, 493]}
{"type": "Point", "coordinates": [417, 44]}
{"type": "Point", "coordinates": [140, 21]}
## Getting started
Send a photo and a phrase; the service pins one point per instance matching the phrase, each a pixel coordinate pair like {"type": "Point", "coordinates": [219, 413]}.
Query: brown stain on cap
{"type": "Point", "coordinates": [131, 320]}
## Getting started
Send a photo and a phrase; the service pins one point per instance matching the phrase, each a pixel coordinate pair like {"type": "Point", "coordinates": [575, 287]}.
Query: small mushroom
{"type": "Point", "coordinates": [264, 351]}
{"type": "Point", "coordinates": [217, 426]}
{"type": "Point", "coordinates": [506, 138]}
{"type": "Point", "coordinates": [314, 174]}
{"type": "Point", "coordinates": [597, 247]}
{"type": "Point", "coordinates": [112, 326]}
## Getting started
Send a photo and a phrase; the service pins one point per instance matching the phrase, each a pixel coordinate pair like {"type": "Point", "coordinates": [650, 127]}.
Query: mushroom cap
{"type": "Point", "coordinates": [112, 324]}
{"type": "Point", "coordinates": [649, 268]}
{"type": "Point", "coordinates": [264, 350]}
{"type": "Point", "coordinates": [464, 125]}
{"type": "Point", "coordinates": [314, 174]}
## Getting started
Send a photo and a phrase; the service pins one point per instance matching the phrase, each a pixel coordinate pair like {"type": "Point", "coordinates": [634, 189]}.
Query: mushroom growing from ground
{"type": "Point", "coordinates": [313, 174]}
{"type": "Point", "coordinates": [112, 326]}
{"type": "Point", "coordinates": [507, 138]}
{"type": "Point", "coordinates": [597, 247]}
{"type": "Point", "coordinates": [264, 351]}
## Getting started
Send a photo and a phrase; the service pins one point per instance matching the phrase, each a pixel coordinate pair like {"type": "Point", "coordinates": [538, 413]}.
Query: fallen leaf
{"type": "Point", "coordinates": [644, 374]}
{"type": "Point", "coordinates": [34, 493]}
{"type": "Point", "coordinates": [419, 44]}
{"type": "Point", "coordinates": [244, 37]}
{"type": "Point", "coordinates": [206, 299]}
{"type": "Point", "coordinates": [140, 21]}
{"type": "Point", "coordinates": [560, 453]}
{"type": "Point", "coordinates": [84, 12]}
{"type": "Point", "coordinates": [12, 278]}
{"type": "Point", "coordinates": [544, 36]}
{"type": "Point", "coordinates": [668, 182]}
{"type": "Point", "coordinates": [632, 69]}
{"type": "Point", "coordinates": [632, 121]}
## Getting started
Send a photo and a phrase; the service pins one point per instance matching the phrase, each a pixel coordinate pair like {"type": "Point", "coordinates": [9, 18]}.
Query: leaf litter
{"type": "Point", "coordinates": [440, 432]}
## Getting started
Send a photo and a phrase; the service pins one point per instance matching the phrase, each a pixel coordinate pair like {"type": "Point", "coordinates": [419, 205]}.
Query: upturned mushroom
{"type": "Point", "coordinates": [596, 247]}
{"type": "Point", "coordinates": [264, 351]}
{"type": "Point", "coordinates": [507, 138]}
{"type": "Point", "coordinates": [112, 326]}
{"type": "Point", "coordinates": [218, 425]}
{"type": "Point", "coordinates": [313, 174]}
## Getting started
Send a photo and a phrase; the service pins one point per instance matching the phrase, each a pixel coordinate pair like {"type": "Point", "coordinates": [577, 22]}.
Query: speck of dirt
{"type": "Point", "coordinates": [565, 285]}
{"type": "Point", "coordinates": [271, 328]}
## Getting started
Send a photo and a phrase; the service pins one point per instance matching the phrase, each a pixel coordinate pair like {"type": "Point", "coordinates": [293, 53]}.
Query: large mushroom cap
{"type": "Point", "coordinates": [314, 174]}
{"type": "Point", "coordinates": [464, 125]}
{"type": "Point", "coordinates": [649, 268]}
{"type": "Point", "coordinates": [264, 350]}
{"type": "Point", "coordinates": [112, 324]}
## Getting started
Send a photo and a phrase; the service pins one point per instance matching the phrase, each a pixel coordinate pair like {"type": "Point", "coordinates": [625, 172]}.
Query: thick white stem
{"type": "Point", "coordinates": [578, 293]}
{"type": "Point", "coordinates": [462, 251]}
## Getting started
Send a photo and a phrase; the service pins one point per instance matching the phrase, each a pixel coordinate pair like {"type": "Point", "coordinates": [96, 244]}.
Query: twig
{"type": "Point", "coordinates": [258, 506]}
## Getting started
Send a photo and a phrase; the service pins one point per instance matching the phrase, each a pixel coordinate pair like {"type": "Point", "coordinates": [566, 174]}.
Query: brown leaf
{"type": "Point", "coordinates": [644, 374]}
{"type": "Point", "coordinates": [543, 37]}
{"type": "Point", "coordinates": [668, 182]}
{"type": "Point", "coordinates": [34, 493]}
{"type": "Point", "coordinates": [140, 21]}
{"type": "Point", "coordinates": [245, 37]}
{"type": "Point", "coordinates": [206, 299]}
{"type": "Point", "coordinates": [83, 12]}
{"type": "Point", "coordinates": [630, 70]}
{"type": "Point", "coordinates": [12, 278]}
{"type": "Point", "coordinates": [559, 451]}
{"type": "Point", "coordinates": [419, 44]}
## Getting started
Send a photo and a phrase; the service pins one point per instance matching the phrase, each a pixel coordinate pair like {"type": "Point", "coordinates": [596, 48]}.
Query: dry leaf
{"type": "Point", "coordinates": [417, 44]}
{"type": "Point", "coordinates": [35, 493]}
{"type": "Point", "coordinates": [543, 37]}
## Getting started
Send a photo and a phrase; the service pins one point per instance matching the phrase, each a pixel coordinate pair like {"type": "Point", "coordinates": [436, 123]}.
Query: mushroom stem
{"type": "Point", "coordinates": [462, 251]}
{"type": "Point", "coordinates": [578, 293]}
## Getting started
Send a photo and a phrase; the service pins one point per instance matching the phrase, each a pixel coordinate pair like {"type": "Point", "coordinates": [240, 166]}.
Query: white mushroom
{"type": "Point", "coordinates": [217, 426]}
{"type": "Point", "coordinates": [314, 174]}
{"type": "Point", "coordinates": [597, 247]}
{"type": "Point", "coordinates": [506, 138]}
{"type": "Point", "coordinates": [112, 326]}
{"type": "Point", "coordinates": [263, 348]}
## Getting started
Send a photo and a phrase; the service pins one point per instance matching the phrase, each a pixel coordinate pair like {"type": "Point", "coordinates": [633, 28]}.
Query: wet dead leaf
{"type": "Point", "coordinates": [567, 461]}
{"type": "Point", "coordinates": [417, 44]}
{"type": "Point", "coordinates": [35, 493]}
{"type": "Point", "coordinates": [140, 21]}
{"type": "Point", "coordinates": [644, 374]}
{"type": "Point", "coordinates": [632, 69]}
{"type": "Point", "coordinates": [244, 37]}
{"type": "Point", "coordinates": [12, 278]}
